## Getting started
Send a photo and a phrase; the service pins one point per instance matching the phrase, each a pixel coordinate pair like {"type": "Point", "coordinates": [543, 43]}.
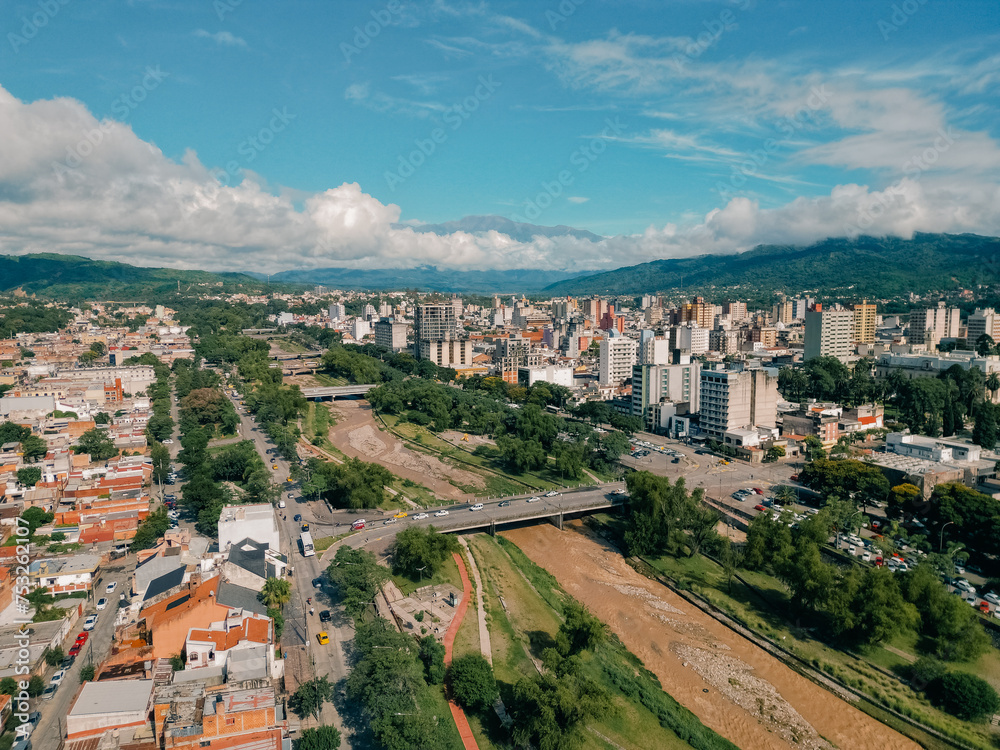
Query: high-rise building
{"type": "Point", "coordinates": [360, 328]}
{"type": "Point", "coordinates": [724, 342]}
{"type": "Point", "coordinates": [391, 334]}
{"type": "Point", "coordinates": [828, 333]}
{"type": "Point", "coordinates": [617, 357]}
{"type": "Point", "coordinates": [437, 336]}
{"type": "Point", "coordinates": [689, 338]}
{"type": "Point", "coordinates": [561, 308]}
{"type": "Point", "coordinates": [699, 313]}
{"type": "Point", "coordinates": [370, 312]}
{"type": "Point", "coordinates": [653, 385]}
{"type": "Point", "coordinates": [863, 324]}
{"type": "Point", "coordinates": [654, 350]}
{"type": "Point", "coordinates": [337, 312]}
{"type": "Point", "coordinates": [737, 399]}
{"type": "Point", "coordinates": [735, 310]}
{"type": "Point", "coordinates": [385, 310]}
{"type": "Point", "coordinates": [929, 325]}
{"type": "Point", "coordinates": [983, 322]}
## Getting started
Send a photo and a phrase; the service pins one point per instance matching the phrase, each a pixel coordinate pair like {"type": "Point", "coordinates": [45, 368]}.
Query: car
{"type": "Point", "coordinates": [274, 466]}
{"type": "Point", "coordinates": [48, 692]}
{"type": "Point", "coordinates": [324, 637]}
{"type": "Point", "coordinates": [75, 650]}
{"type": "Point", "coordinates": [503, 504]}
{"type": "Point", "coordinates": [90, 622]}
{"type": "Point", "coordinates": [758, 506]}
{"type": "Point", "coordinates": [168, 441]}
{"type": "Point", "coordinates": [325, 616]}
{"type": "Point", "coordinates": [794, 477]}
{"type": "Point", "coordinates": [388, 521]}
{"type": "Point", "coordinates": [737, 496]}
{"type": "Point", "coordinates": [317, 583]}
{"type": "Point", "coordinates": [441, 513]}
{"type": "Point", "coordinates": [420, 517]}
{"type": "Point", "coordinates": [992, 598]}
{"type": "Point", "coordinates": [402, 514]}
{"type": "Point", "coordinates": [305, 526]}
{"type": "Point", "coordinates": [533, 499]}
{"type": "Point", "coordinates": [477, 506]}
{"type": "Point", "coordinates": [297, 517]}
{"type": "Point", "coordinates": [358, 525]}
{"type": "Point", "coordinates": [58, 677]}
{"type": "Point", "coordinates": [82, 637]}
{"type": "Point", "coordinates": [173, 515]}
{"type": "Point", "coordinates": [33, 718]}
{"type": "Point", "coordinates": [281, 503]}
{"type": "Point", "coordinates": [170, 496]}
{"type": "Point", "coordinates": [102, 604]}
{"type": "Point", "coordinates": [852, 551]}
{"type": "Point", "coordinates": [551, 493]}
{"type": "Point", "coordinates": [758, 490]}
{"type": "Point", "coordinates": [620, 491]}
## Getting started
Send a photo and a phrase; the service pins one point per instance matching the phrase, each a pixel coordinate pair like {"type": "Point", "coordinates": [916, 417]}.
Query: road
{"type": "Point", "coordinates": [301, 628]}
{"type": "Point", "coordinates": [51, 727]}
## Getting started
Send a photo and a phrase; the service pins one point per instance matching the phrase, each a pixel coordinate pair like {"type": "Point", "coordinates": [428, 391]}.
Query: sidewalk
{"type": "Point", "coordinates": [464, 730]}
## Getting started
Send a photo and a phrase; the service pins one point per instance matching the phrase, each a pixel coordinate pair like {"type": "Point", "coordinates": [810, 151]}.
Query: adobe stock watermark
{"type": "Point", "coordinates": [31, 25]}
{"type": "Point", "coordinates": [714, 29]}
{"type": "Point", "coordinates": [581, 159]}
{"type": "Point", "coordinates": [253, 145]}
{"type": "Point", "coordinates": [224, 7]}
{"type": "Point", "coordinates": [363, 35]}
{"type": "Point", "coordinates": [913, 169]}
{"type": "Point", "coordinates": [901, 14]}
{"type": "Point", "coordinates": [122, 106]}
{"type": "Point", "coordinates": [756, 159]}
{"type": "Point", "coordinates": [454, 117]}
{"type": "Point", "coordinates": [561, 13]}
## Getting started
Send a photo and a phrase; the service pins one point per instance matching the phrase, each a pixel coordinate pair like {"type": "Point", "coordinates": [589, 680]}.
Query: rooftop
{"type": "Point", "coordinates": [116, 696]}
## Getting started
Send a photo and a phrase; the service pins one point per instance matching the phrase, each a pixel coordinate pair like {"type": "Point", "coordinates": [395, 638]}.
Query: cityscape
{"type": "Point", "coordinates": [451, 375]}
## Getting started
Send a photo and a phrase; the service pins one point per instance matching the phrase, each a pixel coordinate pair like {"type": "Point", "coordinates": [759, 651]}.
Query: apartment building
{"type": "Point", "coordinates": [617, 357]}
{"type": "Point", "coordinates": [863, 323]}
{"type": "Point", "coordinates": [828, 333]}
{"type": "Point", "coordinates": [983, 322]}
{"type": "Point", "coordinates": [737, 399]}
{"type": "Point", "coordinates": [437, 336]}
{"type": "Point", "coordinates": [391, 334]}
{"type": "Point", "coordinates": [689, 338]}
{"type": "Point", "coordinates": [337, 312]}
{"type": "Point", "coordinates": [654, 385]}
{"type": "Point", "coordinates": [929, 325]}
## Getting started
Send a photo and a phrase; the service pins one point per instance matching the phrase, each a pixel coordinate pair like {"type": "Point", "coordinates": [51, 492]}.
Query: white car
{"type": "Point", "coordinates": [477, 506]}
{"type": "Point", "coordinates": [58, 677]}
{"type": "Point", "coordinates": [534, 499]}
{"type": "Point", "coordinates": [992, 598]}
{"type": "Point", "coordinates": [173, 516]}
{"type": "Point", "coordinates": [420, 517]}
{"type": "Point", "coordinates": [90, 622]}
{"type": "Point", "coordinates": [102, 604]}
{"type": "Point", "coordinates": [168, 441]}
{"type": "Point", "coordinates": [110, 588]}
{"type": "Point", "coordinates": [441, 513]}
{"type": "Point", "coordinates": [551, 493]}
{"type": "Point", "coordinates": [620, 492]}
{"type": "Point", "coordinates": [281, 503]}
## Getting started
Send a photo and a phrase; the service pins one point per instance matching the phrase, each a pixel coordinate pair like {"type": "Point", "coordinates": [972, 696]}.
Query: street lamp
{"type": "Point", "coordinates": [941, 537]}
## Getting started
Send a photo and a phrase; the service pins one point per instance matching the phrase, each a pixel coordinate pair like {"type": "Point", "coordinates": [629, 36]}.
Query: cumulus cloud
{"type": "Point", "coordinates": [71, 183]}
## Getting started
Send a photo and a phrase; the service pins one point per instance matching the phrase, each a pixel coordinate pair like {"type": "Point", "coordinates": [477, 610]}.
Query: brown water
{"type": "Point", "coordinates": [733, 686]}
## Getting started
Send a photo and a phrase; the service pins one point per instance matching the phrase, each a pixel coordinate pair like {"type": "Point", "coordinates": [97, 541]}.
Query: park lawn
{"type": "Point", "coordinates": [323, 379]}
{"type": "Point", "coordinates": [431, 701]}
{"type": "Point", "coordinates": [447, 573]}
{"type": "Point", "coordinates": [762, 610]}
{"type": "Point", "coordinates": [529, 623]}
{"type": "Point", "coordinates": [419, 494]}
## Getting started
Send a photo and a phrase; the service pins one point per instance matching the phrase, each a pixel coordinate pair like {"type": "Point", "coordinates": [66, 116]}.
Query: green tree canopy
{"type": "Point", "coordinates": [471, 681]}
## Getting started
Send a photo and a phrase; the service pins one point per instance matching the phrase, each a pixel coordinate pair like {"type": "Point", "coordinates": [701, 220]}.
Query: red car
{"type": "Point", "coordinates": [758, 490]}
{"type": "Point", "coordinates": [794, 477]}
{"type": "Point", "coordinates": [82, 638]}
{"type": "Point", "coordinates": [75, 651]}
{"type": "Point", "coordinates": [760, 507]}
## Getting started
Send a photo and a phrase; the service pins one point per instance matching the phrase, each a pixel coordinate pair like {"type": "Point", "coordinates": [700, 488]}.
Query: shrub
{"type": "Point", "coordinates": [964, 695]}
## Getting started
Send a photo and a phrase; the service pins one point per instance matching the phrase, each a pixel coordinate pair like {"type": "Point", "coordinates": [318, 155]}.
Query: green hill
{"type": "Point", "coordinates": [71, 276]}
{"type": "Point", "coordinates": [874, 267]}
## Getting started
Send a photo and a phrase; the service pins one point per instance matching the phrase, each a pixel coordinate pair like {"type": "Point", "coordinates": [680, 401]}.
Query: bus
{"type": "Point", "coordinates": [308, 550]}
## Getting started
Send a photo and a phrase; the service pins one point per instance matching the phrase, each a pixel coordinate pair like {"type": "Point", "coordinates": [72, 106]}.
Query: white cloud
{"type": "Point", "coordinates": [124, 200]}
{"type": "Point", "coordinates": [577, 199]}
{"type": "Point", "coordinates": [222, 38]}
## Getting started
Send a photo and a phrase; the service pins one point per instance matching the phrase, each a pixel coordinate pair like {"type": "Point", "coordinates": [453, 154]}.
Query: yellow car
{"type": "Point", "coordinates": [323, 638]}
{"type": "Point", "coordinates": [401, 514]}
{"type": "Point", "coordinates": [274, 466]}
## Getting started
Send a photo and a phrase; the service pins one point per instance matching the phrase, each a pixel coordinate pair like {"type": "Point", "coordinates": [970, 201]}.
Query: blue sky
{"type": "Point", "coordinates": [297, 134]}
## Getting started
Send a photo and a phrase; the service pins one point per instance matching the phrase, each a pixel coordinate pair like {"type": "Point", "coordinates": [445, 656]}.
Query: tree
{"type": "Point", "coordinates": [471, 680]}
{"type": "Point", "coordinates": [33, 448]}
{"type": "Point", "coordinates": [276, 592]}
{"type": "Point", "coordinates": [36, 686]}
{"type": "Point", "coordinates": [358, 576]}
{"type": "Point", "coordinates": [419, 552]}
{"type": "Point", "coordinates": [88, 673]}
{"type": "Point", "coordinates": [8, 686]}
{"type": "Point", "coordinates": [34, 517]}
{"type": "Point", "coordinates": [308, 700]}
{"type": "Point", "coordinates": [964, 695]}
{"type": "Point", "coordinates": [54, 656]}
{"type": "Point", "coordinates": [102, 417]}
{"type": "Point", "coordinates": [580, 630]}
{"type": "Point", "coordinates": [985, 345]}
{"type": "Point", "coordinates": [432, 654]}
{"type": "Point", "coordinates": [319, 738]}
{"type": "Point", "coordinates": [984, 432]}
{"type": "Point", "coordinates": [731, 559]}
{"type": "Point", "coordinates": [153, 527]}
{"type": "Point", "coordinates": [774, 453]}
{"type": "Point", "coordinates": [160, 456]}
{"type": "Point", "coordinates": [993, 383]}
{"type": "Point", "coordinates": [97, 443]}
{"type": "Point", "coordinates": [29, 476]}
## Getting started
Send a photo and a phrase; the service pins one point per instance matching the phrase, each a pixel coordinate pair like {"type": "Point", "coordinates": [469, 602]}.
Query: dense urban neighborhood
{"type": "Point", "coordinates": [351, 519]}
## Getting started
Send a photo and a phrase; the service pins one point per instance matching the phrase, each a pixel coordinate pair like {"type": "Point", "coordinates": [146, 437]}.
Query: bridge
{"type": "Point", "coordinates": [337, 391]}
{"type": "Point", "coordinates": [489, 519]}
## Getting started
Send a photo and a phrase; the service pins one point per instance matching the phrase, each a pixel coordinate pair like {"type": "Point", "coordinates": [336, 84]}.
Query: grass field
{"type": "Point", "coordinates": [762, 607]}
{"type": "Point", "coordinates": [447, 573]}
{"type": "Point", "coordinates": [324, 379]}
{"type": "Point", "coordinates": [524, 605]}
